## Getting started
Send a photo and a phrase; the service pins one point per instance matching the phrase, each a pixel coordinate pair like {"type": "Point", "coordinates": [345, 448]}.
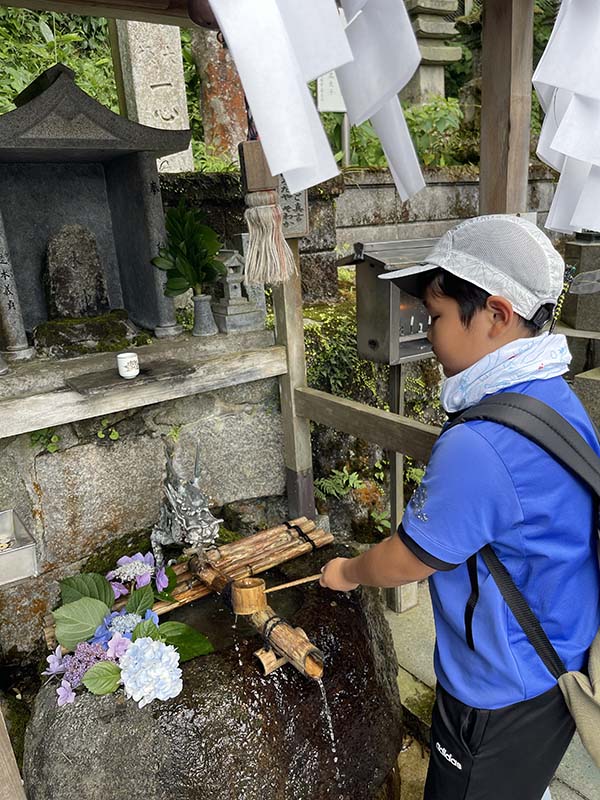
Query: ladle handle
{"type": "Point", "coordinates": [293, 583]}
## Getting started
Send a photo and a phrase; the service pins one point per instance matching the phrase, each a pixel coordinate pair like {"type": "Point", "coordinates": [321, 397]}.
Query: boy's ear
{"type": "Point", "coordinates": [502, 312]}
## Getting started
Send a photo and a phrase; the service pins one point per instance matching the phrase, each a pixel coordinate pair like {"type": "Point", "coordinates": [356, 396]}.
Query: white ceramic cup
{"type": "Point", "coordinates": [128, 365]}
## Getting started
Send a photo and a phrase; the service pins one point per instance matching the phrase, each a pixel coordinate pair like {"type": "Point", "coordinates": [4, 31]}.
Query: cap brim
{"type": "Point", "coordinates": [408, 278]}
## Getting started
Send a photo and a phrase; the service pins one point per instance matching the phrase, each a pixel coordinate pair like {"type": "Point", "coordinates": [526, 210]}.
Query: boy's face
{"type": "Point", "coordinates": [456, 346]}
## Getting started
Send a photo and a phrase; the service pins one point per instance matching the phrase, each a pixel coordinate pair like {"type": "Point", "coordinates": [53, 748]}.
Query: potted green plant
{"type": "Point", "coordinates": [189, 258]}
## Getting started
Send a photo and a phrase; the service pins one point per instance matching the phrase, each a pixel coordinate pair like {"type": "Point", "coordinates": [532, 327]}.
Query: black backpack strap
{"type": "Point", "coordinates": [547, 428]}
{"type": "Point", "coordinates": [543, 425]}
{"type": "Point", "coordinates": [523, 613]}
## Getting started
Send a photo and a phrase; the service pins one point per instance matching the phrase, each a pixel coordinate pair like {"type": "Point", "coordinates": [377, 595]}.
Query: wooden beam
{"type": "Point", "coordinates": [162, 12]}
{"type": "Point", "coordinates": [24, 414]}
{"type": "Point", "coordinates": [391, 431]}
{"type": "Point", "coordinates": [289, 333]}
{"type": "Point", "coordinates": [11, 787]}
{"type": "Point", "coordinates": [505, 105]}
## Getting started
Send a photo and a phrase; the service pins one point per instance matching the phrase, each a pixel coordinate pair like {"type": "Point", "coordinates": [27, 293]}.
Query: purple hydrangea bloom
{"type": "Point", "coordinates": [55, 663]}
{"type": "Point", "coordinates": [84, 657]}
{"type": "Point", "coordinates": [117, 646]}
{"type": "Point", "coordinates": [161, 580]}
{"type": "Point", "coordinates": [123, 622]}
{"type": "Point", "coordinates": [65, 693]}
{"type": "Point", "coordinates": [138, 570]}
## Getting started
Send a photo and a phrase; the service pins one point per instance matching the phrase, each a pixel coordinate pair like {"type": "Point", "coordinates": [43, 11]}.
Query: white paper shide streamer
{"type": "Point", "coordinates": [567, 81]}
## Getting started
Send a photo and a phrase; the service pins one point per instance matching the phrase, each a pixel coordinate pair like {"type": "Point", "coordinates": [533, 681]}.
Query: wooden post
{"type": "Point", "coordinates": [289, 332]}
{"type": "Point", "coordinates": [11, 786]}
{"type": "Point", "coordinates": [404, 597]}
{"type": "Point", "coordinates": [505, 105]}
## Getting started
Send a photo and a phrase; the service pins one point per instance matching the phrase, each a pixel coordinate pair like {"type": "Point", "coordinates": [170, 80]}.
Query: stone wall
{"type": "Point", "coordinates": [370, 210]}
{"type": "Point", "coordinates": [97, 497]}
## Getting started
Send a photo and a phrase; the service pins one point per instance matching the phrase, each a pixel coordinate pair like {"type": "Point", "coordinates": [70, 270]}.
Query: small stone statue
{"type": "Point", "coordinates": [184, 515]}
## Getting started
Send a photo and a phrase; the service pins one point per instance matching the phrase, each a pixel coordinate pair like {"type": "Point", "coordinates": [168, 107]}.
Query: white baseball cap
{"type": "Point", "coordinates": [502, 254]}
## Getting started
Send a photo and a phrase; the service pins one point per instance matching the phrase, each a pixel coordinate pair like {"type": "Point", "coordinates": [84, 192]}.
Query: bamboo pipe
{"type": "Point", "coordinates": [249, 598]}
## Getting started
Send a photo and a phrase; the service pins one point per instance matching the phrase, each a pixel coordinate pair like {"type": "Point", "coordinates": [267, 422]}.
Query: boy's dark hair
{"type": "Point", "coordinates": [470, 298]}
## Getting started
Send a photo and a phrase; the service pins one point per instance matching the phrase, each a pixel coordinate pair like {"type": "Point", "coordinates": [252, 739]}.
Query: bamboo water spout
{"type": "Point", "coordinates": [248, 597]}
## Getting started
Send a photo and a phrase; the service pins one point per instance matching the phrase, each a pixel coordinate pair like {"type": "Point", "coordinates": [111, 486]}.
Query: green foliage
{"type": "Point", "coordinates": [185, 318]}
{"type": "Point", "coordinates": [107, 432]}
{"type": "Point", "coordinates": [380, 470]}
{"type": "Point", "coordinates": [147, 628]}
{"type": "Point", "coordinates": [89, 584]}
{"type": "Point", "coordinates": [434, 129]}
{"type": "Point", "coordinates": [45, 438]}
{"type": "Point", "coordinates": [103, 678]}
{"type": "Point", "coordinates": [32, 41]}
{"type": "Point", "coordinates": [208, 159]}
{"type": "Point", "coordinates": [332, 360]}
{"type": "Point", "coordinates": [188, 641]}
{"type": "Point", "coordinates": [338, 484]}
{"type": "Point", "coordinates": [140, 600]}
{"type": "Point", "coordinates": [381, 520]}
{"type": "Point", "coordinates": [77, 622]}
{"type": "Point", "coordinates": [174, 433]}
{"type": "Point", "coordinates": [190, 254]}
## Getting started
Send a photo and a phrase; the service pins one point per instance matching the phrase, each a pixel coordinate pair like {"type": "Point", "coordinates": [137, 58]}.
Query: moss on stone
{"type": "Point", "coordinates": [81, 335]}
{"type": "Point", "coordinates": [16, 716]}
{"type": "Point", "coordinates": [106, 557]}
{"type": "Point", "coordinates": [226, 536]}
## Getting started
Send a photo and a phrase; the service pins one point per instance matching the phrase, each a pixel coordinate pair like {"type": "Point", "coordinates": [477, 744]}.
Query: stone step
{"type": "Point", "coordinates": [430, 26]}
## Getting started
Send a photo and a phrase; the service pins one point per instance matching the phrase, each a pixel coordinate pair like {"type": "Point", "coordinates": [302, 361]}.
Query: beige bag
{"type": "Point", "coordinates": [582, 693]}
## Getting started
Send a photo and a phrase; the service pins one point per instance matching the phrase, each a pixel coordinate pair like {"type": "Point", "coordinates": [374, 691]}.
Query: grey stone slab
{"type": "Point", "coordinates": [241, 451]}
{"type": "Point", "coordinates": [559, 791]}
{"type": "Point", "coordinates": [374, 205]}
{"type": "Point", "coordinates": [432, 6]}
{"type": "Point", "coordinates": [74, 276]}
{"type": "Point", "coordinates": [437, 54]}
{"type": "Point", "coordinates": [92, 493]}
{"type": "Point", "coordinates": [429, 81]}
{"type": "Point", "coordinates": [319, 277]}
{"type": "Point", "coordinates": [578, 771]}
{"type": "Point", "coordinates": [414, 637]}
{"type": "Point", "coordinates": [432, 26]}
{"type": "Point", "coordinates": [152, 81]}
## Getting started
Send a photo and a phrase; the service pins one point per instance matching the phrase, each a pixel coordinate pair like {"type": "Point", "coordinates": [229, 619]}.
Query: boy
{"type": "Point", "coordinates": [500, 725]}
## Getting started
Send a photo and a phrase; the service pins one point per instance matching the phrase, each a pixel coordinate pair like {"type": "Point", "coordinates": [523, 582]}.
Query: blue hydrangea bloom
{"type": "Point", "coordinates": [150, 671]}
{"type": "Point", "coordinates": [122, 622]}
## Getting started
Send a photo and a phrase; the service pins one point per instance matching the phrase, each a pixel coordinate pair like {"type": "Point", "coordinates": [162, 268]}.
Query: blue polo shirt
{"type": "Point", "coordinates": [486, 484]}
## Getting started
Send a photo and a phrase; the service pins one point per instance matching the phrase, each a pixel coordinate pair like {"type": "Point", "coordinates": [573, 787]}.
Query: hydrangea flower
{"type": "Point", "coordinates": [150, 671]}
{"type": "Point", "coordinates": [65, 693]}
{"type": "Point", "coordinates": [84, 657]}
{"type": "Point", "coordinates": [55, 661]}
{"type": "Point", "coordinates": [122, 622]}
{"type": "Point", "coordinates": [117, 646]}
{"type": "Point", "coordinates": [138, 569]}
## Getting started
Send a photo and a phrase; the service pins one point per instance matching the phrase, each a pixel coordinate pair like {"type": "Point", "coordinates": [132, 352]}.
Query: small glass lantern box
{"type": "Point", "coordinates": [391, 324]}
{"type": "Point", "coordinates": [17, 549]}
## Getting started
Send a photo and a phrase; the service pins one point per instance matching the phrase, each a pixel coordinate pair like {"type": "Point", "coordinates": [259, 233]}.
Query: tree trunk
{"type": "Point", "coordinates": [221, 95]}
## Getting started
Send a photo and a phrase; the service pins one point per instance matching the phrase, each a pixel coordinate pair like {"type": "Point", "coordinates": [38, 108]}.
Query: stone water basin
{"type": "Point", "coordinates": [234, 734]}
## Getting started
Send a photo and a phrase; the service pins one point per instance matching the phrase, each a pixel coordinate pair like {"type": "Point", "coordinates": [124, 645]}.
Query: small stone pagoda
{"type": "Point", "coordinates": [66, 160]}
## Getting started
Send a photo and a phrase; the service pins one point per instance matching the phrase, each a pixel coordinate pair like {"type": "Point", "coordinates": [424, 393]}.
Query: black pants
{"type": "Point", "coordinates": [511, 753]}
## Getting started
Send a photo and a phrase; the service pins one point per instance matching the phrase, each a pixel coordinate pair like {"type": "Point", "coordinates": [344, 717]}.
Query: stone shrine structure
{"type": "Point", "coordinates": [150, 83]}
{"type": "Point", "coordinates": [66, 159]}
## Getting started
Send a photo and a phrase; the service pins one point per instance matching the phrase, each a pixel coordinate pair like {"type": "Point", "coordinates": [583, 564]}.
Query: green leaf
{"type": "Point", "coordinates": [114, 435]}
{"type": "Point", "coordinates": [52, 448]}
{"type": "Point", "coordinates": [76, 622]}
{"type": "Point", "coordinates": [103, 678]}
{"type": "Point", "coordinates": [188, 641]}
{"type": "Point", "coordinates": [163, 263]}
{"type": "Point", "coordinates": [146, 627]}
{"type": "Point", "coordinates": [140, 600]}
{"type": "Point", "coordinates": [90, 584]}
{"type": "Point", "coordinates": [46, 31]}
{"type": "Point", "coordinates": [101, 435]}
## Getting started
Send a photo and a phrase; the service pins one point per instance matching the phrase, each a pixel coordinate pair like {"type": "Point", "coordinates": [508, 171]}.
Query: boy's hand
{"type": "Point", "coordinates": [332, 576]}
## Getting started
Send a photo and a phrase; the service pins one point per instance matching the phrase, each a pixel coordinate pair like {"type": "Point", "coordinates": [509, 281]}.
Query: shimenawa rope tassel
{"type": "Point", "coordinates": [269, 258]}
